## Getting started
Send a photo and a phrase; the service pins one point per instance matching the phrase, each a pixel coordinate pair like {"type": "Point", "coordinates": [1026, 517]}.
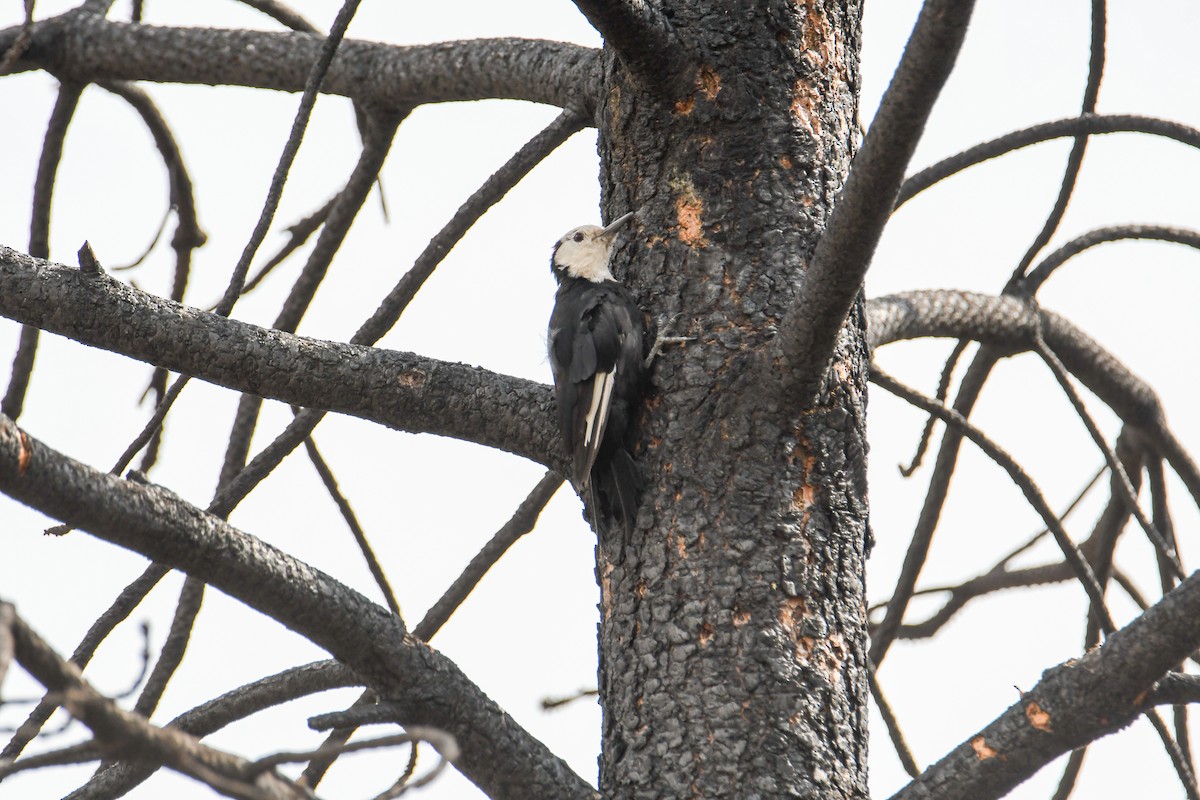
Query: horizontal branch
{"type": "Point", "coordinates": [498, 755]}
{"type": "Point", "coordinates": [87, 47]}
{"type": "Point", "coordinates": [1011, 324]}
{"type": "Point", "coordinates": [1074, 704]}
{"type": "Point", "coordinates": [400, 390]}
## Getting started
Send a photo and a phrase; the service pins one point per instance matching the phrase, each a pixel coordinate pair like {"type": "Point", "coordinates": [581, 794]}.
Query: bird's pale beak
{"type": "Point", "coordinates": [616, 224]}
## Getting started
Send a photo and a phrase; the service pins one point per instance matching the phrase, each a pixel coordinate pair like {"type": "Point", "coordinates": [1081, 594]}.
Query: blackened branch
{"type": "Point", "coordinates": [799, 355]}
{"type": "Point", "coordinates": [401, 390]}
{"type": "Point", "coordinates": [1074, 704]}
{"type": "Point", "coordinates": [498, 755]}
{"type": "Point", "coordinates": [1072, 126]}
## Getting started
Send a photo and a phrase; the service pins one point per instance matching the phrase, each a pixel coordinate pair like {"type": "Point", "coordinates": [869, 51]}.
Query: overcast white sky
{"type": "Point", "coordinates": [429, 503]}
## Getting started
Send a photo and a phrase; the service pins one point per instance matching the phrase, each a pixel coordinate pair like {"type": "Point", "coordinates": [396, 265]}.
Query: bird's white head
{"type": "Point", "coordinates": [583, 252]}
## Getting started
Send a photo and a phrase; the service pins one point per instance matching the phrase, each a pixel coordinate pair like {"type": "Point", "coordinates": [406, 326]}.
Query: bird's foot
{"type": "Point", "coordinates": [661, 340]}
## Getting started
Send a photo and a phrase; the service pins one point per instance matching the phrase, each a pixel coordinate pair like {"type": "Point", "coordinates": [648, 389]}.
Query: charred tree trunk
{"type": "Point", "coordinates": [732, 636]}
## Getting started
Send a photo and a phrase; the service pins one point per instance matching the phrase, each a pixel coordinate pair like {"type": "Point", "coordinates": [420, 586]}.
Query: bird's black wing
{"type": "Point", "coordinates": [590, 331]}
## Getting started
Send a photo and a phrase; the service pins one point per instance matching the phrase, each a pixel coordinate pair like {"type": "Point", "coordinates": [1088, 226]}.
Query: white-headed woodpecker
{"type": "Point", "coordinates": [595, 346]}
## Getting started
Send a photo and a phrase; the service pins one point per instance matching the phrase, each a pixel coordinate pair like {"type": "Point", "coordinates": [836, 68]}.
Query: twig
{"type": "Point", "coordinates": [893, 725]}
{"type": "Point", "coordinates": [171, 655]}
{"type": "Point", "coordinates": [72, 754]}
{"type": "Point", "coordinates": [1066, 784]}
{"type": "Point", "coordinates": [281, 14]}
{"type": "Point", "coordinates": [219, 712]}
{"type": "Point", "coordinates": [39, 228]}
{"type": "Point", "coordinates": [1075, 159]}
{"type": "Point", "coordinates": [952, 418]}
{"type": "Point", "coordinates": [1120, 477]}
{"type": "Point", "coordinates": [1091, 124]}
{"type": "Point", "coordinates": [943, 391]}
{"type": "Point", "coordinates": [401, 295]}
{"type": "Point", "coordinates": [270, 205]}
{"type": "Point", "coordinates": [122, 732]}
{"type": "Point", "coordinates": [1073, 704]}
{"type": "Point", "coordinates": [1115, 233]}
{"type": "Point", "coordinates": [931, 510]}
{"type": "Point", "coordinates": [298, 234]}
{"type": "Point", "coordinates": [521, 523]}
{"type": "Point", "coordinates": [360, 536]}
{"type": "Point", "coordinates": [129, 598]}
{"type": "Point", "coordinates": [1173, 752]}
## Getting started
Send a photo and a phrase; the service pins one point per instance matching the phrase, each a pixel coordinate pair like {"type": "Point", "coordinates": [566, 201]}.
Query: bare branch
{"type": "Point", "coordinates": [935, 498]}
{"type": "Point", "coordinates": [366, 707]}
{"type": "Point", "coordinates": [360, 536]}
{"type": "Point", "coordinates": [121, 608]}
{"type": "Point", "coordinates": [1074, 704]}
{"type": "Point", "coordinates": [1182, 769]}
{"type": "Point", "coordinates": [800, 352]}
{"type": "Point", "coordinates": [1079, 565]}
{"type": "Point", "coordinates": [1121, 480]}
{"type": "Point", "coordinates": [498, 755]}
{"type": "Point", "coordinates": [230, 707]}
{"type": "Point", "coordinates": [379, 76]}
{"type": "Point", "coordinates": [173, 649]}
{"type": "Point", "coordinates": [1033, 282]}
{"type": "Point", "coordinates": [121, 732]}
{"type": "Point", "coordinates": [521, 523]}
{"type": "Point", "coordinates": [1075, 159]}
{"type": "Point", "coordinates": [281, 14]}
{"type": "Point", "coordinates": [1176, 688]}
{"type": "Point", "coordinates": [400, 390]}
{"type": "Point", "coordinates": [892, 724]}
{"type": "Point", "coordinates": [1091, 124]}
{"type": "Point", "coordinates": [1008, 323]}
{"type": "Point", "coordinates": [397, 300]}
{"type": "Point", "coordinates": [39, 231]}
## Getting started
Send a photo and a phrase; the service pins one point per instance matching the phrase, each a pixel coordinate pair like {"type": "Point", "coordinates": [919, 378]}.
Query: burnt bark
{"type": "Point", "coordinates": [732, 631]}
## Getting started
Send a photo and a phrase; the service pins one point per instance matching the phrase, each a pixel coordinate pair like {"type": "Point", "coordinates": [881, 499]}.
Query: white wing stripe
{"type": "Point", "coordinates": [602, 387]}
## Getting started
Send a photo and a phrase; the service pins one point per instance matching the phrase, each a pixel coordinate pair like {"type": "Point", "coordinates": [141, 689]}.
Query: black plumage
{"type": "Point", "coordinates": [595, 349]}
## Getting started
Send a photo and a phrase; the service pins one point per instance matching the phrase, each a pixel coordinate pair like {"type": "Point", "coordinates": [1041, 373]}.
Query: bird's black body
{"type": "Point", "coordinates": [595, 349]}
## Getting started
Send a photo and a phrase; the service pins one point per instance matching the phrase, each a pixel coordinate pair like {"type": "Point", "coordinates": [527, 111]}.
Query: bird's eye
{"type": "Point", "coordinates": [578, 237]}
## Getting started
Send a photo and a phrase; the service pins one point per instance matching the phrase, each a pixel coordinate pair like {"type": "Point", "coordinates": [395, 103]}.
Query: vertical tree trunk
{"type": "Point", "coordinates": [732, 636]}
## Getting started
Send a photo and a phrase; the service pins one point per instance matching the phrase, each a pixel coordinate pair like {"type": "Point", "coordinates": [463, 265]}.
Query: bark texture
{"type": "Point", "coordinates": [732, 632]}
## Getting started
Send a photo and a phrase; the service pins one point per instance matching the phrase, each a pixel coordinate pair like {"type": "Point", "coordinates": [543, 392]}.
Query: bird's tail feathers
{"type": "Point", "coordinates": [615, 495]}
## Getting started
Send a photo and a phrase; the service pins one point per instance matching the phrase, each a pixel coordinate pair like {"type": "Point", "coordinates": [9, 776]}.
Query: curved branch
{"type": "Point", "coordinates": [498, 755]}
{"type": "Point", "coordinates": [39, 232]}
{"type": "Point", "coordinates": [1074, 704]}
{"type": "Point", "coordinates": [1094, 124]}
{"type": "Point", "coordinates": [1010, 324]}
{"type": "Point", "coordinates": [401, 390]}
{"type": "Point", "coordinates": [1115, 233]}
{"type": "Point", "coordinates": [378, 75]}
{"type": "Point", "coordinates": [800, 353]}
{"type": "Point", "coordinates": [1075, 159]}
